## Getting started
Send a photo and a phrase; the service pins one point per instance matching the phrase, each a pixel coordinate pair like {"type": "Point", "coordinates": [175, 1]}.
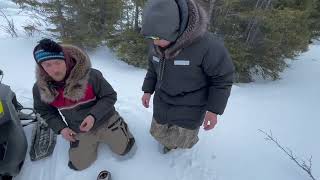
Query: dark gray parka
{"type": "Point", "coordinates": [193, 75]}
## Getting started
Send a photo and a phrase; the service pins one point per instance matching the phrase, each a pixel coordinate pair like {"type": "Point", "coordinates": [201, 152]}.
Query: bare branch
{"type": "Point", "coordinates": [302, 164]}
{"type": "Point", "coordinates": [10, 28]}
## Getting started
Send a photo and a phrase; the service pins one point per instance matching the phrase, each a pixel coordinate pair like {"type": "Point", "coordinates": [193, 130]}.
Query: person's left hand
{"type": "Point", "coordinates": [87, 124]}
{"type": "Point", "coordinates": [210, 120]}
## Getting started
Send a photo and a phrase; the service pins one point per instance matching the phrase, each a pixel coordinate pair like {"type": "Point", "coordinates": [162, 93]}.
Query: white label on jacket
{"type": "Point", "coordinates": [156, 59]}
{"type": "Point", "coordinates": [181, 62]}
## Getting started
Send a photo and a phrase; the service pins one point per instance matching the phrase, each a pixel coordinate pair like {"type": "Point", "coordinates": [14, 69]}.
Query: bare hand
{"type": "Point", "coordinates": [68, 134]}
{"type": "Point", "coordinates": [146, 99]}
{"type": "Point", "coordinates": [210, 121]}
{"type": "Point", "coordinates": [87, 124]}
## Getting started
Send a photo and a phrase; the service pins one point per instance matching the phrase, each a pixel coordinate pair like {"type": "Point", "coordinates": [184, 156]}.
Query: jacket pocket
{"type": "Point", "coordinates": [182, 77]}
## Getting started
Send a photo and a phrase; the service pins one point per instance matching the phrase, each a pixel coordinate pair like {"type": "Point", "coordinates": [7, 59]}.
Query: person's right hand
{"type": "Point", "coordinates": [68, 134]}
{"type": "Point", "coordinates": [146, 99]}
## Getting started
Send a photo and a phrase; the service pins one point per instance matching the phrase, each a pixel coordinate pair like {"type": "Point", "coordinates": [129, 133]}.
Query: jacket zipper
{"type": "Point", "coordinates": [161, 70]}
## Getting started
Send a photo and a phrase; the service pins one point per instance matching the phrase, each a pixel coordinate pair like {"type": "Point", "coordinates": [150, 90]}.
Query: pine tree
{"type": "Point", "coordinates": [260, 34]}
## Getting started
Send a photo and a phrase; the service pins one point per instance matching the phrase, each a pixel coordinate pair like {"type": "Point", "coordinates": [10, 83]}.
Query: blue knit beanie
{"type": "Point", "coordinates": [46, 50]}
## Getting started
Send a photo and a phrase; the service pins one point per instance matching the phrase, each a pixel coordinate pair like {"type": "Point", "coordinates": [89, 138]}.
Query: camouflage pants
{"type": "Point", "coordinates": [114, 133]}
{"type": "Point", "coordinates": [173, 136]}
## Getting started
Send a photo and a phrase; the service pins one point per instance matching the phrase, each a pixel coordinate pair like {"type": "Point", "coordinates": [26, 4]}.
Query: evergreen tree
{"type": "Point", "coordinates": [260, 34]}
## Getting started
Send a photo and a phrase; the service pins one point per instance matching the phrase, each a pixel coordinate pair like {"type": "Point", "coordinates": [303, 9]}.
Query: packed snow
{"type": "Point", "coordinates": [234, 150]}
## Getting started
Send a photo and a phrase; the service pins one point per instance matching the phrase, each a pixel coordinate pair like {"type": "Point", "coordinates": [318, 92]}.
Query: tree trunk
{"type": "Point", "coordinates": [60, 16]}
{"type": "Point", "coordinates": [136, 16]}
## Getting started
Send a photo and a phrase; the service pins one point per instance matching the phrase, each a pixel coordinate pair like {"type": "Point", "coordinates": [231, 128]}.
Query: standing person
{"type": "Point", "coordinates": [190, 72]}
{"type": "Point", "coordinates": [67, 84]}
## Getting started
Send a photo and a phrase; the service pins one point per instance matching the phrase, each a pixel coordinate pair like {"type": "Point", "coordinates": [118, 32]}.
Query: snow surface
{"type": "Point", "coordinates": [21, 19]}
{"type": "Point", "coordinates": [234, 150]}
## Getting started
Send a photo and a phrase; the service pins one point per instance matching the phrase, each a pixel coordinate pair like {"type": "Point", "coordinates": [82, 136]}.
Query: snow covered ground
{"type": "Point", "coordinates": [21, 19]}
{"type": "Point", "coordinates": [234, 150]}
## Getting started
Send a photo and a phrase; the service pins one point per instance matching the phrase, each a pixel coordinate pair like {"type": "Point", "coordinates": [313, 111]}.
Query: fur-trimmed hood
{"type": "Point", "coordinates": [197, 27]}
{"type": "Point", "coordinates": [76, 82]}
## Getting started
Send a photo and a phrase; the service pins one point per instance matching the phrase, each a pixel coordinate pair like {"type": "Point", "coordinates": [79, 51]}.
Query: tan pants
{"type": "Point", "coordinates": [115, 133]}
{"type": "Point", "coordinates": [173, 136]}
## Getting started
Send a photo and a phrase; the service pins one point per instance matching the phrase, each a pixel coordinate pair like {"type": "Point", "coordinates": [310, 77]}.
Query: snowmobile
{"type": "Point", "coordinates": [13, 141]}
